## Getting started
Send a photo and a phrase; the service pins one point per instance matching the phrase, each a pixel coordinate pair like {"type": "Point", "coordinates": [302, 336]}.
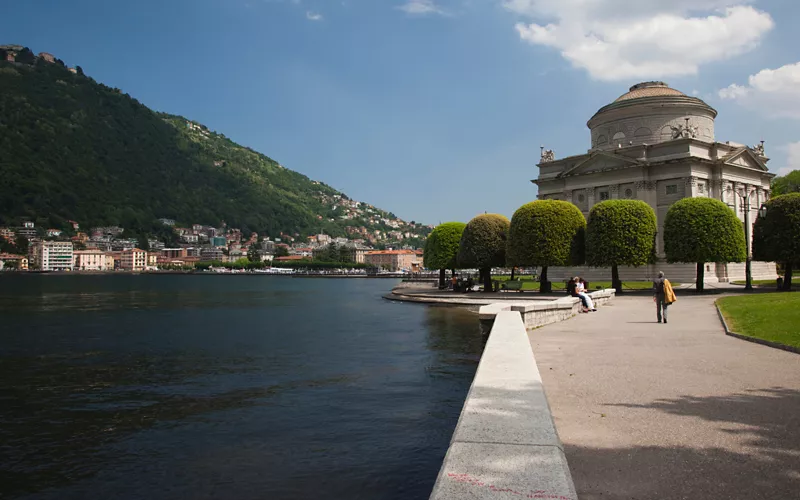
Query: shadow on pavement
{"type": "Point", "coordinates": [766, 465]}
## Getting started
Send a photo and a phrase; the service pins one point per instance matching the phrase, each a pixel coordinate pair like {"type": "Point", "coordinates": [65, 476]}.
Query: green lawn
{"type": "Point", "coordinates": [529, 284]}
{"type": "Point", "coordinates": [773, 316]}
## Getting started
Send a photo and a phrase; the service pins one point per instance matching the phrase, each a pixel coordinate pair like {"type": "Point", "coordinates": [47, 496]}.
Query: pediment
{"type": "Point", "coordinates": [601, 162]}
{"type": "Point", "coordinates": [744, 157]}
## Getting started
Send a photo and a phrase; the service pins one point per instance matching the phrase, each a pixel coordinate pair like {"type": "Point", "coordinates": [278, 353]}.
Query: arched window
{"type": "Point", "coordinates": [642, 132]}
{"type": "Point", "coordinates": [618, 136]}
{"type": "Point", "coordinates": [601, 139]}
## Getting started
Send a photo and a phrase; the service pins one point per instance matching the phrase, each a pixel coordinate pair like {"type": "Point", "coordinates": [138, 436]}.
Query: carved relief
{"type": "Point", "coordinates": [614, 188]}
{"type": "Point", "coordinates": [547, 155]}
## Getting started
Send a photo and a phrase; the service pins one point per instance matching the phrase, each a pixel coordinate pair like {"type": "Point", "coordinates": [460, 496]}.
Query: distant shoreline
{"type": "Point", "coordinates": [196, 273]}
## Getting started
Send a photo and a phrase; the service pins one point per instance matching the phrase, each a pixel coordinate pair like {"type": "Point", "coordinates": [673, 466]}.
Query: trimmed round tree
{"type": "Point", "coordinates": [776, 236]}
{"type": "Point", "coordinates": [546, 233]}
{"type": "Point", "coordinates": [483, 245]}
{"type": "Point", "coordinates": [700, 230]}
{"type": "Point", "coordinates": [620, 233]}
{"type": "Point", "coordinates": [441, 248]}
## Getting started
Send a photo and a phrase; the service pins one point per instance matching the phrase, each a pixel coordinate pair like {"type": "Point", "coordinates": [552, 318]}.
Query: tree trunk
{"type": "Point", "coordinates": [544, 285]}
{"type": "Point", "coordinates": [487, 279]}
{"type": "Point", "coordinates": [701, 272]}
{"type": "Point", "coordinates": [615, 281]}
{"type": "Point", "coordinates": [787, 278]}
{"type": "Point", "coordinates": [441, 278]}
{"type": "Point", "coordinates": [512, 272]}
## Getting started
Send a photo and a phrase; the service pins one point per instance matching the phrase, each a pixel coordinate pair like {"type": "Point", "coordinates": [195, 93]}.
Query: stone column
{"type": "Point", "coordinates": [691, 187]}
{"type": "Point", "coordinates": [589, 198]}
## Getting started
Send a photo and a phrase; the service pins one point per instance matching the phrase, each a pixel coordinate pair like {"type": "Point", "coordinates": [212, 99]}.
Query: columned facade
{"type": "Point", "coordinates": [657, 145]}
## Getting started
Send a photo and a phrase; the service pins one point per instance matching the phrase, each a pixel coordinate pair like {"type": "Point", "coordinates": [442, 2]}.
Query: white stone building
{"type": "Point", "coordinates": [51, 255]}
{"type": "Point", "coordinates": [657, 144]}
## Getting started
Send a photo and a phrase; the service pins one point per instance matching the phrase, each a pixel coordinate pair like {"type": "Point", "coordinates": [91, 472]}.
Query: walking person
{"type": "Point", "coordinates": [663, 296]}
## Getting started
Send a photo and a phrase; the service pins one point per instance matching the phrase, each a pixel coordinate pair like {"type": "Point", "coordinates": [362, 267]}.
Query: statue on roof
{"type": "Point", "coordinates": [547, 155]}
{"type": "Point", "coordinates": [684, 131]}
{"type": "Point", "coordinates": [759, 149]}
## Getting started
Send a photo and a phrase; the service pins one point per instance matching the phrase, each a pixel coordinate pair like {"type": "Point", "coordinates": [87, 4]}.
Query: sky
{"type": "Point", "coordinates": [432, 109]}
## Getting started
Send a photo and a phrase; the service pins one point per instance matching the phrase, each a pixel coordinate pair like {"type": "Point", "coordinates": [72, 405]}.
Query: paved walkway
{"type": "Point", "coordinates": [676, 411]}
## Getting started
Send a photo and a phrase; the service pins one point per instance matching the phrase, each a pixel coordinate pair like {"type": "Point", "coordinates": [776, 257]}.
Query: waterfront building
{"type": "Point", "coordinates": [656, 144]}
{"type": "Point", "coordinates": [211, 253]}
{"type": "Point", "coordinates": [51, 255]}
{"type": "Point", "coordinates": [392, 260]}
{"type": "Point", "coordinates": [173, 253]}
{"type": "Point", "coordinates": [133, 259]}
{"type": "Point", "coordinates": [110, 262]}
{"type": "Point", "coordinates": [89, 260]}
{"type": "Point", "coordinates": [152, 260]}
{"type": "Point", "coordinates": [21, 260]}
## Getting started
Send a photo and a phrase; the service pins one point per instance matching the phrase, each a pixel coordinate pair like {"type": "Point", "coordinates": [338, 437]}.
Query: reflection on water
{"type": "Point", "coordinates": [225, 387]}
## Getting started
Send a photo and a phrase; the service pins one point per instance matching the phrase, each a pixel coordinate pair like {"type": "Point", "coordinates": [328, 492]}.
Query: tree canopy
{"type": "Point", "coordinates": [483, 242]}
{"type": "Point", "coordinates": [483, 245]}
{"type": "Point", "coordinates": [620, 233]}
{"type": "Point", "coordinates": [700, 230]}
{"type": "Point", "coordinates": [441, 247]}
{"type": "Point", "coordinates": [546, 233]}
{"type": "Point", "coordinates": [776, 236]}
{"type": "Point", "coordinates": [785, 184]}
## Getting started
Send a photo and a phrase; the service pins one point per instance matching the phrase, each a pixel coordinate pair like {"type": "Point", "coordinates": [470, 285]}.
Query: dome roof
{"type": "Point", "coordinates": [649, 89]}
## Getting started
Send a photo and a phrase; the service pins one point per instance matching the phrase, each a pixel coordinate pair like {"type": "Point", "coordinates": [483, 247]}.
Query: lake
{"type": "Point", "coordinates": [228, 387]}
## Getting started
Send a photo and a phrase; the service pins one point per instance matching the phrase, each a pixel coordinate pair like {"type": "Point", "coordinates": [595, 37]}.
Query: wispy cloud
{"type": "Point", "coordinates": [313, 16]}
{"type": "Point", "coordinates": [421, 8]}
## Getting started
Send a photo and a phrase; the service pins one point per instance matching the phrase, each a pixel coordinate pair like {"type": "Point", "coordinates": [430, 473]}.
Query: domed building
{"type": "Point", "coordinates": [657, 144]}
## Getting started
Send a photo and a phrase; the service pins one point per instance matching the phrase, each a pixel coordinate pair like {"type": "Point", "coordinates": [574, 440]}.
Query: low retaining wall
{"type": "Point", "coordinates": [544, 313]}
{"type": "Point", "coordinates": [505, 444]}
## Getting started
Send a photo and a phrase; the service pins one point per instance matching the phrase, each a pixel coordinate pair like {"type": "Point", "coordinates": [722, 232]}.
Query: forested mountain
{"type": "Point", "coordinates": [74, 149]}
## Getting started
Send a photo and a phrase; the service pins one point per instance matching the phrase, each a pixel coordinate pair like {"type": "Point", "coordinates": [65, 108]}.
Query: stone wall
{"type": "Point", "coordinates": [505, 444]}
{"type": "Point", "coordinates": [544, 312]}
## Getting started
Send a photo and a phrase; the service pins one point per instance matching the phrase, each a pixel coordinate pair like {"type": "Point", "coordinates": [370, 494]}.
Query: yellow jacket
{"type": "Point", "coordinates": [669, 293]}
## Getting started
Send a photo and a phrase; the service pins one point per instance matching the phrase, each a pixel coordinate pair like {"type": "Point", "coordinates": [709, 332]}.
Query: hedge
{"type": "Point", "coordinates": [546, 233]}
{"type": "Point", "coordinates": [776, 237]}
{"type": "Point", "coordinates": [700, 230]}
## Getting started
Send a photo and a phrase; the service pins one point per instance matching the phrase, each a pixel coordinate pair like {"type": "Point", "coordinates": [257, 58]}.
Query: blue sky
{"type": "Point", "coordinates": [432, 110]}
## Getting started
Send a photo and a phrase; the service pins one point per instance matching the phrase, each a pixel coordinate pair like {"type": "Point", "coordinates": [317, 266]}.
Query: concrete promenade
{"type": "Point", "coordinates": [676, 411]}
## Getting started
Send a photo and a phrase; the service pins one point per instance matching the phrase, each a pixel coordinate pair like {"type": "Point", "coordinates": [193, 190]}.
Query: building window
{"type": "Point", "coordinates": [603, 195]}
{"type": "Point", "coordinates": [628, 193]}
{"type": "Point", "coordinates": [701, 188]}
{"type": "Point", "coordinates": [672, 189]}
{"type": "Point", "coordinates": [581, 198]}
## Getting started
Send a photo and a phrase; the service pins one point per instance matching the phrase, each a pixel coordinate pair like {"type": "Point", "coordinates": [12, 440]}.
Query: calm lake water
{"type": "Point", "coordinates": [230, 387]}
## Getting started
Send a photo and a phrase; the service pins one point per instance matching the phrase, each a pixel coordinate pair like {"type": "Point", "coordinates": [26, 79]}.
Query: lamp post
{"type": "Point", "coordinates": [748, 275]}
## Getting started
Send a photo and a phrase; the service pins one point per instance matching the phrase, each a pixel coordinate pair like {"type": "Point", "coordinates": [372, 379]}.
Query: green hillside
{"type": "Point", "coordinates": [75, 149]}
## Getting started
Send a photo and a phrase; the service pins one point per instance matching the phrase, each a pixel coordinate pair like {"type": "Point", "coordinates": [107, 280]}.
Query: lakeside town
{"type": "Point", "coordinates": [200, 246]}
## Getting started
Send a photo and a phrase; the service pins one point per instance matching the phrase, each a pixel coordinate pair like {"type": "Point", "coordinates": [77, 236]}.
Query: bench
{"type": "Point", "coordinates": [512, 285]}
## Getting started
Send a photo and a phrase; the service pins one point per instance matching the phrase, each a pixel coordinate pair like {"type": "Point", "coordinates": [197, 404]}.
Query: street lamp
{"type": "Point", "coordinates": [748, 235]}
